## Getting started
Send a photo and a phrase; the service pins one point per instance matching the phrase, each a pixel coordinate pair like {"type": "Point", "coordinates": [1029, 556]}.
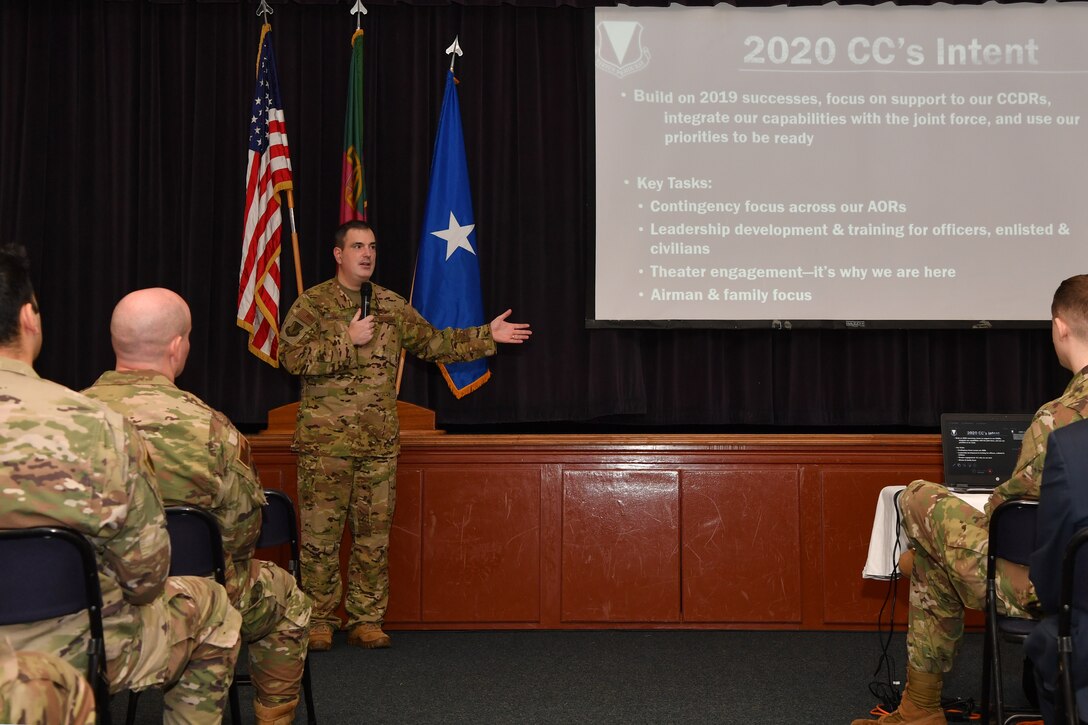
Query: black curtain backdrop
{"type": "Point", "coordinates": [122, 154]}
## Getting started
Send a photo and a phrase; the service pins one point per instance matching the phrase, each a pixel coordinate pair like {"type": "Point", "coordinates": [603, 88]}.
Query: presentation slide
{"type": "Point", "coordinates": [846, 166]}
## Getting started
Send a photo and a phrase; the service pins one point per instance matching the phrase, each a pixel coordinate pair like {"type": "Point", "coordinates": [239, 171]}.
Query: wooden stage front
{"type": "Point", "coordinates": [631, 531]}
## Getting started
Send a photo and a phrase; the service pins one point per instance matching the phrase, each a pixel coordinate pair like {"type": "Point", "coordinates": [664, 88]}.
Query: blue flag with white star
{"type": "Point", "coordinates": [447, 282]}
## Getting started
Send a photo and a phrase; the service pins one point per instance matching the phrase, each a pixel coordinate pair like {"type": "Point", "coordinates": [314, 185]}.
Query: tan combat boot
{"type": "Point", "coordinates": [921, 703]}
{"type": "Point", "coordinates": [368, 635]}
{"type": "Point", "coordinates": [279, 715]}
{"type": "Point", "coordinates": [320, 637]}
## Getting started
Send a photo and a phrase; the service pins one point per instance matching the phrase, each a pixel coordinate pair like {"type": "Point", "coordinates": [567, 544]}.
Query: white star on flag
{"type": "Point", "coordinates": [456, 236]}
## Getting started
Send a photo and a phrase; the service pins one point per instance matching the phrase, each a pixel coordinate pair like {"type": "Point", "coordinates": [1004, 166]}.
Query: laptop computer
{"type": "Point", "coordinates": [981, 449]}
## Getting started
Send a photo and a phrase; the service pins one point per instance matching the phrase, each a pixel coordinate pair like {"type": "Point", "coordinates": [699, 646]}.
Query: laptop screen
{"type": "Point", "coordinates": [981, 449]}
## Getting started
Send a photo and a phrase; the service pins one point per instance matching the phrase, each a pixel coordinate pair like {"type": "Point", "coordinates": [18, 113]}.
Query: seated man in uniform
{"type": "Point", "coordinates": [202, 460]}
{"type": "Point", "coordinates": [949, 539]}
{"type": "Point", "coordinates": [70, 461]}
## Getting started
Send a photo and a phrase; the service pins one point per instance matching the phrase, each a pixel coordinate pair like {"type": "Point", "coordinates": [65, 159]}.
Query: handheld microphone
{"type": "Point", "coordinates": [364, 299]}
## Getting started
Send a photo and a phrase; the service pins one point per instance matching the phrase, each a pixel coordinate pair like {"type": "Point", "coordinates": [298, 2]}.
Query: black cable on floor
{"type": "Point", "coordinates": [886, 690]}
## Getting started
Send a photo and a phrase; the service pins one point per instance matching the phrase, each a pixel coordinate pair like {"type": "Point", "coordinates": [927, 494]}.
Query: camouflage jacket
{"type": "Point", "coordinates": [70, 461]}
{"type": "Point", "coordinates": [1027, 476]}
{"type": "Point", "coordinates": [200, 459]}
{"type": "Point", "coordinates": [349, 398]}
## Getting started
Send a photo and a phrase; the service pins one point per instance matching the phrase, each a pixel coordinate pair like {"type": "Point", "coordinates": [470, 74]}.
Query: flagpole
{"type": "Point", "coordinates": [264, 10]}
{"type": "Point", "coordinates": [294, 239]}
{"type": "Point", "coordinates": [358, 10]}
{"type": "Point", "coordinates": [453, 51]}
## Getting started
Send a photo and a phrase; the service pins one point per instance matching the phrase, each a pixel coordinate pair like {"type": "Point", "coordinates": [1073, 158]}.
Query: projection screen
{"type": "Point", "coordinates": [844, 166]}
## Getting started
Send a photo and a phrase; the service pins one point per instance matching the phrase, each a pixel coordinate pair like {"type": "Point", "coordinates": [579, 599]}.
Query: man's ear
{"type": "Point", "coordinates": [29, 320]}
{"type": "Point", "coordinates": [337, 252]}
{"type": "Point", "coordinates": [1061, 329]}
{"type": "Point", "coordinates": [175, 346]}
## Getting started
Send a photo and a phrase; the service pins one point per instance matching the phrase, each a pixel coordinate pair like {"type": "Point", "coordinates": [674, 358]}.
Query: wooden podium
{"type": "Point", "coordinates": [414, 420]}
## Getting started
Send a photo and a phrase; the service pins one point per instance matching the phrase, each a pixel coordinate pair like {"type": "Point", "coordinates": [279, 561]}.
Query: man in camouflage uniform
{"type": "Point", "coordinates": [41, 689]}
{"type": "Point", "coordinates": [949, 538]}
{"type": "Point", "coordinates": [347, 435]}
{"type": "Point", "coordinates": [201, 459]}
{"type": "Point", "coordinates": [70, 461]}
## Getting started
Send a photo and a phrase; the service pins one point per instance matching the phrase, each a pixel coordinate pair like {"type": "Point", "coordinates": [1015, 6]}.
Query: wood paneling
{"type": "Point", "coordinates": [621, 558]}
{"type": "Point", "coordinates": [405, 548]}
{"type": "Point", "coordinates": [742, 545]}
{"type": "Point", "coordinates": [481, 545]}
{"type": "Point", "coordinates": [500, 531]}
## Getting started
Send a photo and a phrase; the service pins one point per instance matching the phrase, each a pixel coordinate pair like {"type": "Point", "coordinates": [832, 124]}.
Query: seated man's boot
{"type": "Point", "coordinates": [368, 635]}
{"type": "Point", "coordinates": [320, 637]}
{"type": "Point", "coordinates": [279, 715]}
{"type": "Point", "coordinates": [921, 703]}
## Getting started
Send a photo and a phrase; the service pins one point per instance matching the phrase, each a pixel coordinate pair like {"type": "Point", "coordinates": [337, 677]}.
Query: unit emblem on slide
{"type": "Point", "coordinates": [619, 48]}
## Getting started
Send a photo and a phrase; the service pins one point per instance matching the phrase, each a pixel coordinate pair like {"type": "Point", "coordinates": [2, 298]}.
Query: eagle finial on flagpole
{"type": "Point", "coordinates": [453, 51]}
{"type": "Point", "coordinates": [265, 10]}
{"type": "Point", "coordinates": [358, 10]}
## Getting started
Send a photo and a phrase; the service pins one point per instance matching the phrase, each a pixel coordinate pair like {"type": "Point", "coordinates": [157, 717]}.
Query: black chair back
{"type": "Point", "coordinates": [1012, 531]}
{"type": "Point", "coordinates": [196, 549]}
{"type": "Point", "coordinates": [278, 521]}
{"type": "Point", "coordinates": [1012, 538]}
{"type": "Point", "coordinates": [196, 544]}
{"type": "Point", "coordinates": [279, 528]}
{"type": "Point", "coordinates": [1074, 595]}
{"type": "Point", "coordinates": [51, 571]}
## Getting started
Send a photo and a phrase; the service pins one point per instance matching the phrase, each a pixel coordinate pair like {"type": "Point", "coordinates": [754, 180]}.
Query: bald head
{"type": "Point", "coordinates": [150, 331]}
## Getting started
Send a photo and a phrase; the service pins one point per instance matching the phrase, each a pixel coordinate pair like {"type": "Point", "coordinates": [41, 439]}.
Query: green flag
{"type": "Point", "coordinates": [352, 181]}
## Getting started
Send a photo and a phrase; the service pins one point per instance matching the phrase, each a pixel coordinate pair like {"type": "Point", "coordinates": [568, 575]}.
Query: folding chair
{"type": "Point", "coordinates": [1012, 538]}
{"type": "Point", "coordinates": [1071, 596]}
{"type": "Point", "coordinates": [279, 527]}
{"type": "Point", "coordinates": [196, 549]}
{"type": "Point", "coordinates": [50, 571]}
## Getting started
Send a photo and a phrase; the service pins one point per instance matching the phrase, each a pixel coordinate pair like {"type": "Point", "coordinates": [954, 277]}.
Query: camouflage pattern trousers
{"type": "Point", "coordinates": [275, 627]}
{"type": "Point", "coordinates": [40, 689]}
{"type": "Point", "coordinates": [191, 655]}
{"type": "Point", "coordinates": [187, 643]}
{"type": "Point", "coordinates": [328, 490]}
{"type": "Point", "coordinates": [950, 539]}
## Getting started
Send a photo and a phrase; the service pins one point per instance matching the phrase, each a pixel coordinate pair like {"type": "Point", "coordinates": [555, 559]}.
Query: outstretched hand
{"type": "Point", "coordinates": [509, 332]}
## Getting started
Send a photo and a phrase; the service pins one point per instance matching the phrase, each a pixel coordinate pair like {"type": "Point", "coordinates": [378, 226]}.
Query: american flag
{"type": "Point", "coordinates": [269, 172]}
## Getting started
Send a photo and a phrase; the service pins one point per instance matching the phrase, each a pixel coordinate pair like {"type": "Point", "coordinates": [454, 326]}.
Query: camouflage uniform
{"type": "Point", "coordinates": [67, 460]}
{"type": "Point", "coordinates": [201, 459]}
{"type": "Point", "coordinates": [347, 435]}
{"type": "Point", "coordinates": [950, 539]}
{"type": "Point", "coordinates": [41, 689]}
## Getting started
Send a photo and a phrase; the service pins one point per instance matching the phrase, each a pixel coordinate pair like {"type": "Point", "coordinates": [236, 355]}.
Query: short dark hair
{"type": "Point", "coordinates": [342, 231]}
{"type": "Point", "coordinates": [15, 290]}
{"type": "Point", "coordinates": [1071, 304]}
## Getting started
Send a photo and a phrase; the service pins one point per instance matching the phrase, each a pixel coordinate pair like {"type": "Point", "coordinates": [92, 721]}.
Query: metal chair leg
{"type": "Point", "coordinates": [308, 693]}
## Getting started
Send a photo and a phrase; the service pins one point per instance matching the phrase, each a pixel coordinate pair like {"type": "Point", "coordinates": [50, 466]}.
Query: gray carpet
{"type": "Point", "coordinates": [608, 677]}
